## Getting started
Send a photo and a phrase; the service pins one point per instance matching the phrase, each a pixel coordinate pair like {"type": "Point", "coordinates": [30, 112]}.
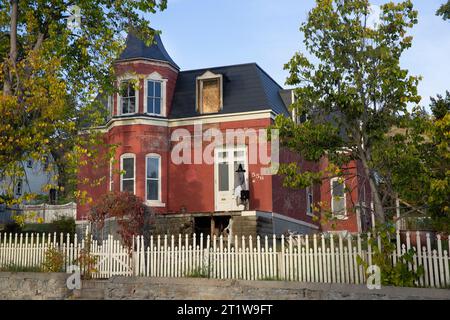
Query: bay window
{"type": "Point", "coordinates": [128, 173]}
{"type": "Point", "coordinates": [153, 177]}
{"type": "Point", "coordinates": [127, 97]}
{"type": "Point", "coordinates": [154, 97]}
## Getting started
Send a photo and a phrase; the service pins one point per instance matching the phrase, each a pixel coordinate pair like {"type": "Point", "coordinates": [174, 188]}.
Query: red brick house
{"type": "Point", "coordinates": [163, 116]}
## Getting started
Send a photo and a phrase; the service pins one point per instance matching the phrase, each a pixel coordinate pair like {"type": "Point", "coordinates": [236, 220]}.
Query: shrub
{"type": "Point", "coordinates": [12, 227]}
{"type": "Point", "coordinates": [128, 210]}
{"type": "Point", "coordinates": [398, 275]}
{"type": "Point", "coordinates": [54, 261]}
{"type": "Point", "coordinates": [64, 225]}
{"type": "Point", "coordinates": [61, 225]}
{"type": "Point", "coordinates": [199, 272]}
{"type": "Point", "coordinates": [86, 260]}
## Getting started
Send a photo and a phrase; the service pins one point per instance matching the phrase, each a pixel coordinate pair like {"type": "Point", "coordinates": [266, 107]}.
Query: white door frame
{"type": "Point", "coordinates": [225, 200]}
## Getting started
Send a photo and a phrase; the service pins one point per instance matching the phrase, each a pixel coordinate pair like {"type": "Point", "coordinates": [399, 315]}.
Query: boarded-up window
{"type": "Point", "coordinates": [211, 96]}
{"type": "Point", "coordinates": [209, 93]}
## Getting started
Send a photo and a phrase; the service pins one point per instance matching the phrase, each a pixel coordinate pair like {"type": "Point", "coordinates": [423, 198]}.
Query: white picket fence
{"type": "Point", "coordinates": [317, 258]}
{"type": "Point", "coordinates": [28, 253]}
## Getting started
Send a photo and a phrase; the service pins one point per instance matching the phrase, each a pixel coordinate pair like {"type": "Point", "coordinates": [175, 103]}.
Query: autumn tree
{"type": "Point", "coordinates": [55, 58]}
{"type": "Point", "coordinates": [127, 210]}
{"type": "Point", "coordinates": [351, 88]}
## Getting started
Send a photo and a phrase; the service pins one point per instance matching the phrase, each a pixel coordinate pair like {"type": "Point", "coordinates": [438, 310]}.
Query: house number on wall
{"type": "Point", "coordinates": [257, 177]}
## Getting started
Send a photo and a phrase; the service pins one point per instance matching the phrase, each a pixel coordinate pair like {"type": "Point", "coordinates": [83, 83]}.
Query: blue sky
{"type": "Point", "coordinates": [208, 33]}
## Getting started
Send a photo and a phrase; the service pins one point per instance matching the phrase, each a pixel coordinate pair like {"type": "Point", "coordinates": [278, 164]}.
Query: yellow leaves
{"type": "Point", "coordinates": [21, 219]}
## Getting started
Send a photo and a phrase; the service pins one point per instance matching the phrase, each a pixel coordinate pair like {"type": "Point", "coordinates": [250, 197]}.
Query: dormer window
{"type": "Point", "coordinates": [154, 97]}
{"type": "Point", "coordinates": [209, 93]}
{"type": "Point", "coordinates": [127, 97]}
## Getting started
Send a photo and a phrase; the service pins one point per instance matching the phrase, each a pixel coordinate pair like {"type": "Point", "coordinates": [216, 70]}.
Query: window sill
{"type": "Point", "coordinates": [154, 114]}
{"type": "Point", "coordinates": [340, 217]}
{"type": "Point", "coordinates": [127, 114]}
{"type": "Point", "coordinates": [155, 203]}
{"type": "Point", "coordinates": [310, 214]}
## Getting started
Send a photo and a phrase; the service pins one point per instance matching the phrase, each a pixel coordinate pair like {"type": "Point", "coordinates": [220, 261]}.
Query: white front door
{"type": "Point", "coordinates": [226, 179]}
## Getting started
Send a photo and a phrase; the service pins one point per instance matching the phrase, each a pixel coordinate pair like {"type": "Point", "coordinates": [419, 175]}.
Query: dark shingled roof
{"type": "Point", "coordinates": [136, 49]}
{"type": "Point", "coordinates": [246, 87]}
{"type": "Point", "coordinates": [286, 96]}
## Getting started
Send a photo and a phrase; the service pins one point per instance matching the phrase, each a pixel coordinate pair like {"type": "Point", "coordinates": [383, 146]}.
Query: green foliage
{"type": "Point", "coordinates": [398, 275]}
{"type": "Point", "coordinates": [54, 260]}
{"type": "Point", "coordinates": [415, 161]}
{"type": "Point", "coordinates": [444, 11]}
{"type": "Point", "coordinates": [199, 272]}
{"type": "Point", "coordinates": [12, 227]}
{"type": "Point", "coordinates": [355, 95]}
{"type": "Point", "coordinates": [61, 225]}
{"type": "Point", "coordinates": [15, 268]}
{"type": "Point", "coordinates": [50, 75]}
{"type": "Point", "coordinates": [64, 225]}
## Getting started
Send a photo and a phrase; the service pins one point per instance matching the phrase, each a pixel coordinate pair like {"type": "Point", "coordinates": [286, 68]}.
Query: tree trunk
{"type": "Point", "coordinates": [377, 204]}
{"type": "Point", "coordinates": [11, 62]}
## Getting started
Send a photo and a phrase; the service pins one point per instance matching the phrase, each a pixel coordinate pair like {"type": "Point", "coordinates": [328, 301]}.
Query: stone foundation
{"type": "Point", "coordinates": [40, 286]}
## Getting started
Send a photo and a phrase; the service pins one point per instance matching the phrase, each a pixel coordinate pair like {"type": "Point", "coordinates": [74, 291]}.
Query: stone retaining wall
{"type": "Point", "coordinates": [53, 286]}
{"type": "Point", "coordinates": [211, 289]}
{"type": "Point", "coordinates": [33, 285]}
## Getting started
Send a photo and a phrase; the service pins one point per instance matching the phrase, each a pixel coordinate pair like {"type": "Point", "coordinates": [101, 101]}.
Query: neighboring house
{"type": "Point", "coordinates": [36, 178]}
{"type": "Point", "coordinates": [156, 100]}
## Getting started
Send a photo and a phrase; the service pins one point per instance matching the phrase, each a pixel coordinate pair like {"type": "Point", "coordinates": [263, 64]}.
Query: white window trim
{"type": "Point", "coordinates": [110, 107]}
{"type": "Point", "coordinates": [128, 155]}
{"type": "Point", "coordinates": [294, 112]}
{"type": "Point", "coordinates": [154, 203]}
{"type": "Point", "coordinates": [208, 75]}
{"type": "Point", "coordinates": [309, 206]}
{"type": "Point", "coordinates": [119, 97]}
{"type": "Point", "coordinates": [155, 76]}
{"type": "Point", "coordinates": [111, 176]}
{"type": "Point", "coordinates": [338, 216]}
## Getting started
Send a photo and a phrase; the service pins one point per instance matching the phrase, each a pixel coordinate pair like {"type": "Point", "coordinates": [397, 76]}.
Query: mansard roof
{"type": "Point", "coordinates": [137, 49]}
{"type": "Point", "coordinates": [246, 87]}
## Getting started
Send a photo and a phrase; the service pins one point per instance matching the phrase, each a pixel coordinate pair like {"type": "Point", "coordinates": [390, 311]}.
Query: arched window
{"type": "Point", "coordinates": [128, 173]}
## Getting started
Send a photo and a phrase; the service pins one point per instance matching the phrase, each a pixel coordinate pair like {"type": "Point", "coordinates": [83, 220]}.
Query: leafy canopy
{"type": "Point", "coordinates": [350, 85]}
{"type": "Point", "coordinates": [51, 72]}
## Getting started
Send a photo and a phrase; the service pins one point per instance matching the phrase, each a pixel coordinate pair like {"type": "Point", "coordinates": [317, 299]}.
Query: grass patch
{"type": "Point", "coordinates": [15, 268]}
{"type": "Point", "coordinates": [270, 279]}
{"type": "Point", "coordinates": [198, 273]}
